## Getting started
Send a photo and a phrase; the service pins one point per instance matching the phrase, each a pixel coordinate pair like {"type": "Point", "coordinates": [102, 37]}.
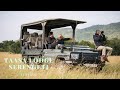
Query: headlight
{"type": "Point", "coordinates": [74, 56]}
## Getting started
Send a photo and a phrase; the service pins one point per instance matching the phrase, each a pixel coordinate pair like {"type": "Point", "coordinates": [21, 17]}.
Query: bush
{"type": "Point", "coordinates": [15, 47]}
{"type": "Point", "coordinates": [115, 44]}
{"type": "Point", "coordinates": [10, 46]}
{"type": "Point", "coordinates": [87, 43]}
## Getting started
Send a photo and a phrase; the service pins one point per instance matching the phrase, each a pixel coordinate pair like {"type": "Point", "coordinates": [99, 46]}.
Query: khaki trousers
{"type": "Point", "coordinates": [104, 49]}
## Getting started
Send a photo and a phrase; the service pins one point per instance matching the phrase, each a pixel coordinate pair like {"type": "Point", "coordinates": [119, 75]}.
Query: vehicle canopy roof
{"type": "Point", "coordinates": [52, 23]}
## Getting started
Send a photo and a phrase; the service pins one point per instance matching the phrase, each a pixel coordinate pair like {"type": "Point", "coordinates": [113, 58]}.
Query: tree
{"type": "Point", "coordinates": [15, 47]}
{"type": "Point", "coordinates": [10, 46]}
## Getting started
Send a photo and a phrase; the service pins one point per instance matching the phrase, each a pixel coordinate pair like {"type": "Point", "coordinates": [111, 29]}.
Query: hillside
{"type": "Point", "coordinates": [111, 30]}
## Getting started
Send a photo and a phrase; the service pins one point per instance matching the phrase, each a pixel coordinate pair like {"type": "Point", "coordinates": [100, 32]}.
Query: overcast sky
{"type": "Point", "coordinates": [10, 21]}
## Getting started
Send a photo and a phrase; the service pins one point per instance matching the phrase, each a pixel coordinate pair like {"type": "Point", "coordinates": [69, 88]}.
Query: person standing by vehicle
{"type": "Point", "coordinates": [99, 42]}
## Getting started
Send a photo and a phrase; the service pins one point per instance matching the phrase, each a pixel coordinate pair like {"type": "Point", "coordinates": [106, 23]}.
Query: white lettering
{"type": "Point", "coordinates": [6, 60]}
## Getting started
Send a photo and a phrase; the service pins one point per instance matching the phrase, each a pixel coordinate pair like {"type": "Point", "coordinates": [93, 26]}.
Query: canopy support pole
{"type": "Point", "coordinates": [73, 35]}
{"type": "Point", "coordinates": [43, 34]}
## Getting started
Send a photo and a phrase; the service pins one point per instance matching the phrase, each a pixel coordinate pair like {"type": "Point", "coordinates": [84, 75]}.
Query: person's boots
{"type": "Point", "coordinates": [104, 57]}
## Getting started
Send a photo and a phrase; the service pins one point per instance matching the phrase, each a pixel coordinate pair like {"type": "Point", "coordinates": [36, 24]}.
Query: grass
{"type": "Point", "coordinates": [59, 71]}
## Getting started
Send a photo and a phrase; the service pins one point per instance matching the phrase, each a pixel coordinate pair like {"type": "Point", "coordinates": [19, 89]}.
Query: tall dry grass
{"type": "Point", "coordinates": [59, 71]}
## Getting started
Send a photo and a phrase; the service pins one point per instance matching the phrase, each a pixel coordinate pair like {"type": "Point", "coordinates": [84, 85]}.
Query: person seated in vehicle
{"type": "Point", "coordinates": [51, 41]}
{"type": "Point", "coordinates": [61, 41]}
{"type": "Point", "coordinates": [99, 40]}
{"type": "Point", "coordinates": [38, 42]}
{"type": "Point", "coordinates": [32, 40]}
{"type": "Point", "coordinates": [25, 39]}
{"type": "Point", "coordinates": [25, 36]}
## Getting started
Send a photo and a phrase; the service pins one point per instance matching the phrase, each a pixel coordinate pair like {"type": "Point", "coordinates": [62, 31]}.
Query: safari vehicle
{"type": "Point", "coordinates": [70, 55]}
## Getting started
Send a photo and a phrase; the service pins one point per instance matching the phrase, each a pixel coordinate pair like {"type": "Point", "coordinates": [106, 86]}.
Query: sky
{"type": "Point", "coordinates": [11, 21]}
